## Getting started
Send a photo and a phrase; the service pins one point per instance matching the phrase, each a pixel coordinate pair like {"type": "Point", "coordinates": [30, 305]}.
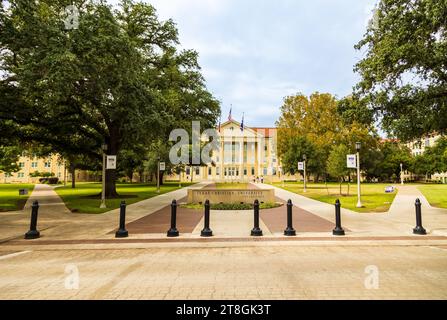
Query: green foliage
{"type": "Point", "coordinates": [118, 79]}
{"type": "Point", "coordinates": [232, 206]}
{"type": "Point", "coordinates": [433, 160]}
{"type": "Point", "coordinates": [336, 163]}
{"type": "Point", "coordinates": [403, 74]}
{"type": "Point", "coordinates": [37, 174]}
{"type": "Point", "coordinates": [9, 155]}
{"type": "Point", "coordinates": [313, 126]}
{"type": "Point", "coordinates": [297, 147]}
{"type": "Point", "coordinates": [383, 163]}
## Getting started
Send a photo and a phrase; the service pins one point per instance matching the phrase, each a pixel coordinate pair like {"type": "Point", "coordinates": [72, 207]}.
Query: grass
{"type": "Point", "coordinates": [81, 199]}
{"type": "Point", "coordinates": [374, 198]}
{"type": "Point", "coordinates": [232, 206]}
{"type": "Point", "coordinates": [435, 194]}
{"type": "Point", "coordinates": [237, 186]}
{"type": "Point", "coordinates": [9, 196]}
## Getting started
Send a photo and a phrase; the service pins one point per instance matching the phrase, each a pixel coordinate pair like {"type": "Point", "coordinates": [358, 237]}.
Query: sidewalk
{"type": "Point", "coordinates": [398, 221]}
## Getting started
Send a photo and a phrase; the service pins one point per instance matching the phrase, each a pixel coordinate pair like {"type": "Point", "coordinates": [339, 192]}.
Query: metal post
{"type": "Point", "coordinates": [290, 232]}
{"type": "Point", "coordinates": [419, 228]}
{"type": "Point", "coordinates": [305, 175]}
{"type": "Point", "coordinates": [158, 175]}
{"type": "Point", "coordinates": [103, 193]}
{"type": "Point", "coordinates": [207, 232]}
{"type": "Point", "coordinates": [338, 231]}
{"type": "Point", "coordinates": [359, 202]}
{"type": "Point", "coordinates": [256, 232]}
{"type": "Point", "coordinates": [122, 232]}
{"type": "Point", "coordinates": [33, 233]}
{"type": "Point", "coordinates": [173, 232]}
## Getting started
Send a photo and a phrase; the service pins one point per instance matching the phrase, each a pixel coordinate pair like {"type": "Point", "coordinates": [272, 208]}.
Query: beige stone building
{"type": "Point", "coordinates": [30, 164]}
{"type": "Point", "coordinates": [243, 156]}
{"type": "Point", "coordinates": [417, 148]}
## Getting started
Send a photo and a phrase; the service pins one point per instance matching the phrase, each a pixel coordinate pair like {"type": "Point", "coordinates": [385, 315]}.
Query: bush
{"type": "Point", "coordinates": [53, 180]}
{"type": "Point", "coordinates": [233, 206]}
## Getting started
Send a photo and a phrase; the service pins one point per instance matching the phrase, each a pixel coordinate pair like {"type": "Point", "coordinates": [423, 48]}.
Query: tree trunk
{"type": "Point", "coordinates": [161, 177]}
{"type": "Point", "coordinates": [140, 174]}
{"type": "Point", "coordinates": [112, 150]}
{"type": "Point", "coordinates": [73, 176]}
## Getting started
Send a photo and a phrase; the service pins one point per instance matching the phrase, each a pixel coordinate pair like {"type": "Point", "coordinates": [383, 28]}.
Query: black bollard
{"type": "Point", "coordinates": [207, 232]}
{"type": "Point", "coordinates": [33, 233]}
{"type": "Point", "coordinates": [173, 232]}
{"type": "Point", "coordinates": [419, 228]}
{"type": "Point", "coordinates": [338, 231]}
{"type": "Point", "coordinates": [122, 232]}
{"type": "Point", "coordinates": [256, 232]}
{"type": "Point", "coordinates": [289, 232]}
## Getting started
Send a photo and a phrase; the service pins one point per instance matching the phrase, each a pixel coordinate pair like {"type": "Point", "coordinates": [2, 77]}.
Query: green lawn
{"type": "Point", "coordinates": [80, 200]}
{"type": "Point", "coordinates": [237, 186]}
{"type": "Point", "coordinates": [435, 194]}
{"type": "Point", "coordinates": [9, 196]}
{"type": "Point", "coordinates": [374, 198]}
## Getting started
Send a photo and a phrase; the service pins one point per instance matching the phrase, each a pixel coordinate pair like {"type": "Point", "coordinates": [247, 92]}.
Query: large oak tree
{"type": "Point", "coordinates": [117, 78]}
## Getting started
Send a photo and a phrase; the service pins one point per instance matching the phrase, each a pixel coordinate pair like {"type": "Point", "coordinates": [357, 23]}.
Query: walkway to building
{"type": "Point", "coordinates": [150, 219]}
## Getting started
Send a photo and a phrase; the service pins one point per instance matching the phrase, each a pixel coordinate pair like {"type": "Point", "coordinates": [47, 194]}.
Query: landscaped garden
{"type": "Point", "coordinates": [435, 194]}
{"type": "Point", "coordinates": [85, 197]}
{"type": "Point", "coordinates": [10, 200]}
{"type": "Point", "coordinates": [232, 206]}
{"type": "Point", "coordinates": [374, 198]}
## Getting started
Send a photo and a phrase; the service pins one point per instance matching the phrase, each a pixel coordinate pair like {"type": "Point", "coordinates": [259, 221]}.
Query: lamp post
{"type": "Point", "coordinates": [358, 146]}
{"type": "Point", "coordinates": [401, 173]}
{"type": "Point", "coordinates": [158, 175]}
{"type": "Point", "coordinates": [305, 175]}
{"type": "Point", "coordinates": [103, 193]}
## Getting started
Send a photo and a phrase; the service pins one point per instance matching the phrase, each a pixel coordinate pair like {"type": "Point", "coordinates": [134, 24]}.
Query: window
{"type": "Point", "coordinates": [427, 142]}
{"type": "Point", "coordinates": [47, 164]}
{"type": "Point", "coordinates": [225, 172]}
{"type": "Point", "coordinates": [21, 175]}
{"type": "Point", "coordinates": [33, 164]}
{"type": "Point", "coordinates": [197, 171]}
{"type": "Point", "coordinates": [252, 171]}
{"type": "Point", "coordinates": [245, 172]}
{"type": "Point", "coordinates": [218, 171]}
{"type": "Point", "coordinates": [188, 171]}
{"type": "Point", "coordinates": [21, 164]}
{"type": "Point", "coordinates": [265, 171]}
{"type": "Point", "coordinates": [210, 172]}
{"type": "Point", "coordinates": [274, 171]}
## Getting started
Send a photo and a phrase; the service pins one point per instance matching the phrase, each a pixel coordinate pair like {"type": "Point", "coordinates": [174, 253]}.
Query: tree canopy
{"type": "Point", "coordinates": [404, 69]}
{"type": "Point", "coordinates": [117, 78]}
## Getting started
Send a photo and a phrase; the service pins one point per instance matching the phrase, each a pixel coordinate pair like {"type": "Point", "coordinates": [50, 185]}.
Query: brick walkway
{"type": "Point", "coordinates": [262, 272]}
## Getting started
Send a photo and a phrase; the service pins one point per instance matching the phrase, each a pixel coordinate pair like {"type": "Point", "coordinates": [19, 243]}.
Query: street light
{"type": "Point", "coordinates": [305, 159]}
{"type": "Point", "coordinates": [158, 175]}
{"type": "Point", "coordinates": [358, 146]}
{"type": "Point", "coordinates": [103, 193]}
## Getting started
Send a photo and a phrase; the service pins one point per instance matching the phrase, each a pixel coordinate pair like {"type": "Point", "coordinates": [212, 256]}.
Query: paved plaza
{"type": "Point", "coordinates": [78, 257]}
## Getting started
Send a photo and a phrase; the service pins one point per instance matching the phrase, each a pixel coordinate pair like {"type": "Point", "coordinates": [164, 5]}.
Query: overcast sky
{"type": "Point", "coordinates": [255, 52]}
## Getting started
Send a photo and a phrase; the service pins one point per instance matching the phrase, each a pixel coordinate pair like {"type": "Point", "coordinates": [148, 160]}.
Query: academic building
{"type": "Point", "coordinates": [245, 154]}
{"type": "Point", "coordinates": [417, 148]}
{"type": "Point", "coordinates": [30, 164]}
